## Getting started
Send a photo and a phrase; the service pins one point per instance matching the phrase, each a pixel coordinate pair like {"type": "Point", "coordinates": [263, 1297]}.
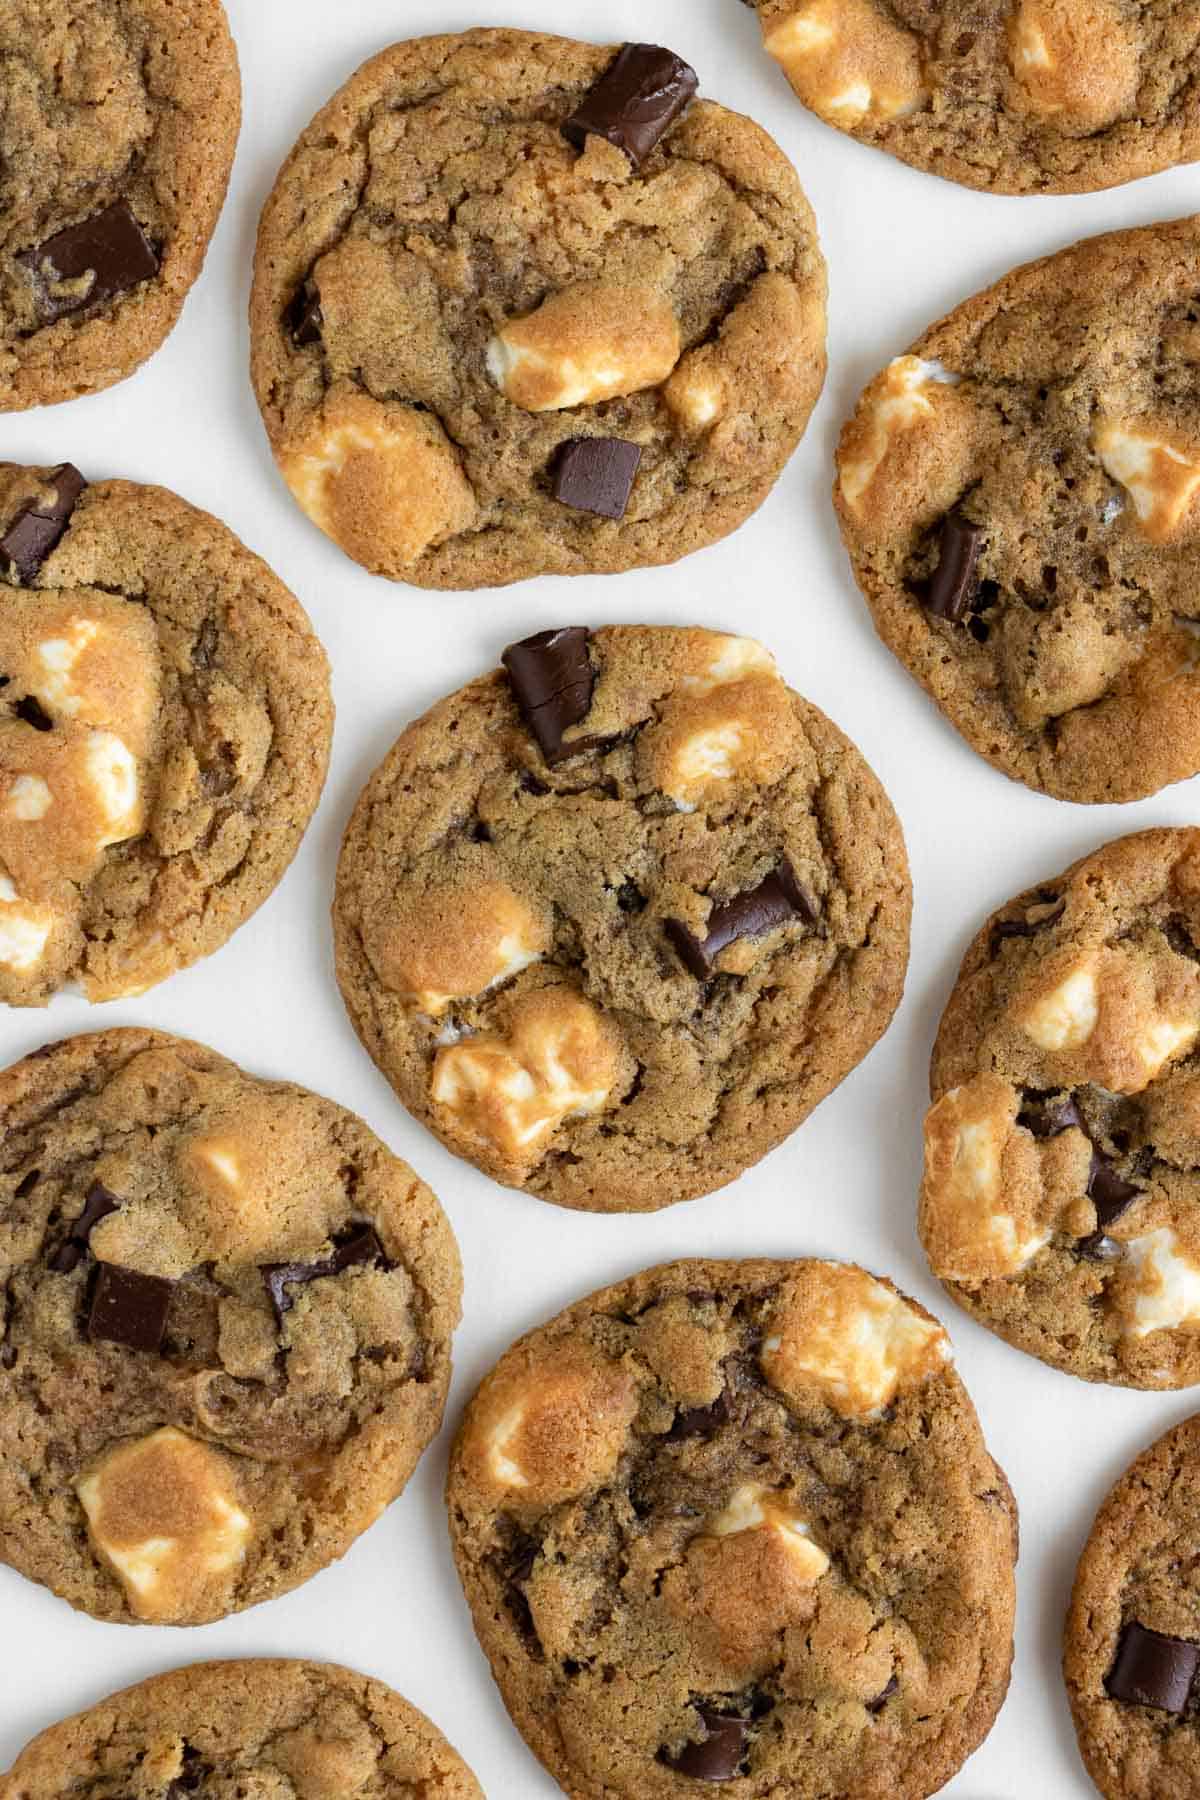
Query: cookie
{"type": "Point", "coordinates": [1062, 1152]}
{"type": "Point", "coordinates": [1017, 495]}
{"type": "Point", "coordinates": [612, 920]}
{"type": "Point", "coordinates": [118, 124]}
{"type": "Point", "coordinates": [1032, 97]}
{"type": "Point", "coordinates": [255, 1729]}
{"type": "Point", "coordinates": [736, 1521]}
{"type": "Point", "coordinates": [165, 722]}
{"type": "Point", "coordinates": [1132, 1643]}
{"type": "Point", "coordinates": [225, 1322]}
{"type": "Point", "coordinates": [522, 306]}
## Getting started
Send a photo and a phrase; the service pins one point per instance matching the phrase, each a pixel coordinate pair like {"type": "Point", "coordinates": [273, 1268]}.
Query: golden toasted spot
{"type": "Point", "coordinates": [839, 1333]}
{"type": "Point", "coordinates": [24, 929]}
{"type": "Point", "coordinates": [29, 798]}
{"type": "Point", "coordinates": [906, 395]}
{"type": "Point", "coordinates": [752, 1507]}
{"type": "Point", "coordinates": [458, 942]}
{"type": "Point", "coordinates": [1160, 476]}
{"type": "Point", "coordinates": [1165, 1290]}
{"type": "Point", "coordinates": [592, 342]}
{"type": "Point", "coordinates": [552, 1428]}
{"type": "Point", "coordinates": [695, 393]}
{"type": "Point", "coordinates": [1065, 1016]}
{"type": "Point", "coordinates": [729, 718]}
{"type": "Point", "coordinates": [849, 61]}
{"type": "Point", "coordinates": [1075, 61]}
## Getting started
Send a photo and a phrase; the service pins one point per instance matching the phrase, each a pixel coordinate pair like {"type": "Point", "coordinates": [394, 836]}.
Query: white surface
{"type": "Point", "coordinates": [902, 248]}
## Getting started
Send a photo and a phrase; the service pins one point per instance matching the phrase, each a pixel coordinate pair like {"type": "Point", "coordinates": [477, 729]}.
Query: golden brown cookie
{"type": "Point", "coordinates": [613, 920]}
{"type": "Point", "coordinates": [522, 306]}
{"type": "Point", "coordinates": [736, 1522]}
{"type": "Point", "coordinates": [225, 1322]}
{"type": "Point", "coordinates": [118, 124]}
{"type": "Point", "coordinates": [257, 1730]}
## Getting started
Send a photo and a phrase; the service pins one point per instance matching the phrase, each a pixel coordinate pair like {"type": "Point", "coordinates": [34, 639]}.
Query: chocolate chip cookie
{"type": "Point", "coordinates": [225, 1321]}
{"type": "Point", "coordinates": [1062, 1153]}
{"type": "Point", "coordinates": [1018, 498]}
{"type": "Point", "coordinates": [260, 1730]}
{"type": "Point", "coordinates": [165, 722]}
{"type": "Point", "coordinates": [736, 1521]}
{"type": "Point", "coordinates": [1031, 97]}
{"type": "Point", "coordinates": [612, 920]}
{"type": "Point", "coordinates": [523, 305]}
{"type": "Point", "coordinates": [118, 123]}
{"type": "Point", "coordinates": [1132, 1648]}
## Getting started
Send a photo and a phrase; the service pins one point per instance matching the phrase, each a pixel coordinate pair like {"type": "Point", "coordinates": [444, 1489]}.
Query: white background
{"type": "Point", "coordinates": [902, 248]}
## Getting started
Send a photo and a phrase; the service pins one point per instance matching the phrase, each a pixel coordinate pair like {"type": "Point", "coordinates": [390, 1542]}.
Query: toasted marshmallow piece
{"type": "Point", "coordinates": [857, 1343]}
{"type": "Point", "coordinates": [1159, 476]}
{"type": "Point", "coordinates": [1166, 1289]}
{"type": "Point", "coordinates": [24, 929]}
{"type": "Point", "coordinates": [57, 689]}
{"type": "Point", "coordinates": [551, 1429]}
{"type": "Point", "coordinates": [753, 1507]}
{"type": "Point", "coordinates": [848, 60]}
{"type": "Point", "coordinates": [906, 398]}
{"type": "Point", "coordinates": [97, 668]}
{"type": "Point", "coordinates": [1129, 1013]}
{"type": "Point", "coordinates": [29, 798]}
{"type": "Point", "coordinates": [111, 770]}
{"type": "Point", "coordinates": [460, 942]}
{"type": "Point", "coordinates": [1075, 61]}
{"type": "Point", "coordinates": [723, 658]}
{"type": "Point", "coordinates": [1065, 1017]}
{"type": "Point", "coordinates": [163, 1515]}
{"type": "Point", "coordinates": [729, 717]}
{"type": "Point", "coordinates": [982, 1191]}
{"type": "Point", "coordinates": [587, 343]}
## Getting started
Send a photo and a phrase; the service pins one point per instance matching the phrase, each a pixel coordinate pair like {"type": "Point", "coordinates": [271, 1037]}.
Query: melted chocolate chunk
{"type": "Point", "coordinates": [304, 317]}
{"type": "Point", "coordinates": [596, 475]}
{"type": "Point", "coordinates": [129, 1308]}
{"type": "Point", "coordinates": [359, 1245]}
{"type": "Point", "coordinates": [192, 1778]}
{"type": "Point", "coordinates": [777, 900]}
{"type": "Point", "coordinates": [630, 898]}
{"type": "Point", "coordinates": [635, 101]}
{"type": "Point", "coordinates": [953, 583]}
{"type": "Point", "coordinates": [721, 1754]}
{"type": "Point", "coordinates": [1099, 1248]}
{"type": "Point", "coordinates": [553, 681]}
{"type": "Point", "coordinates": [111, 247]}
{"type": "Point", "coordinates": [1048, 905]}
{"type": "Point", "coordinates": [70, 1253]}
{"type": "Point", "coordinates": [1047, 1115]}
{"type": "Point", "coordinates": [881, 1699]}
{"type": "Point", "coordinates": [36, 531]}
{"type": "Point", "coordinates": [30, 712]}
{"type": "Point", "coordinates": [1109, 1192]}
{"type": "Point", "coordinates": [700, 1421]}
{"type": "Point", "coordinates": [1151, 1669]}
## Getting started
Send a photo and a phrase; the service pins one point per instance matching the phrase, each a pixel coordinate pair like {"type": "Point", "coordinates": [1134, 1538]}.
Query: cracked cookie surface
{"type": "Point", "coordinates": [615, 961]}
{"type": "Point", "coordinates": [118, 123]}
{"type": "Point", "coordinates": [736, 1521]}
{"type": "Point", "coordinates": [1025, 97]}
{"type": "Point", "coordinates": [1063, 1147]}
{"type": "Point", "coordinates": [1017, 495]}
{"type": "Point", "coordinates": [450, 293]}
{"type": "Point", "coordinates": [260, 1730]}
{"type": "Point", "coordinates": [165, 722]}
{"type": "Point", "coordinates": [225, 1322]}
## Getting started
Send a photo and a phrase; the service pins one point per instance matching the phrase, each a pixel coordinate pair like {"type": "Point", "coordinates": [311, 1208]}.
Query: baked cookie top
{"type": "Point", "coordinates": [522, 306]}
{"type": "Point", "coordinates": [1017, 495]}
{"type": "Point", "coordinates": [118, 124]}
{"type": "Point", "coordinates": [614, 919]}
{"type": "Point", "coordinates": [736, 1521]}
{"type": "Point", "coordinates": [225, 1321]}
{"type": "Point", "coordinates": [1028, 97]}
{"type": "Point", "coordinates": [1062, 1154]}
{"type": "Point", "coordinates": [1132, 1646]}
{"type": "Point", "coordinates": [260, 1730]}
{"type": "Point", "coordinates": [165, 721]}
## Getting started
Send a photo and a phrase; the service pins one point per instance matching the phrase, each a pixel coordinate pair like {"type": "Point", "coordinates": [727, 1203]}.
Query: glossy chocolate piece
{"type": "Point", "coordinates": [36, 531]}
{"type": "Point", "coordinates": [1049, 1115]}
{"type": "Point", "coordinates": [111, 247]}
{"type": "Point", "coordinates": [1151, 1669]}
{"type": "Point", "coordinates": [1109, 1193]}
{"type": "Point", "coordinates": [953, 582]}
{"type": "Point", "coordinates": [1098, 1248]}
{"type": "Point", "coordinates": [777, 900]}
{"type": "Point", "coordinates": [636, 100]}
{"type": "Point", "coordinates": [1055, 906]}
{"type": "Point", "coordinates": [721, 1754]}
{"type": "Point", "coordinates": [700, 1421]}
{"type": "Point", "coordinates": [71, 1252]}
{"type": "Point", "coordinates": [129, 1308]}
{"type": "Point", "coordinates": [553, 681]}
{"type": "Point", "coordinates": [596, 475]}
{"type": "Point", "coordinates": [359, 1245]}
{"type": "Point", "coordinates": [305, 317]}
{"type": "Point", "coordinates": [881, 1699]}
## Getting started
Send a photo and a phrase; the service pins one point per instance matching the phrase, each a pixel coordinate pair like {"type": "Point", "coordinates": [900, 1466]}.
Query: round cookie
{"type": "Point", "coordinates": [118, 124]}
{"type": "Point", "coordinates": [1027, 97]}
{"type": "Point", "coordinates": [1017, 495]}
{"type": "Point", "coordinates": [263, 1728]}
{"type": "Point", "coordinates": [614, 919]}
{"type": "Point", "coordinates": [165, 722]}
{"type": "Point", "coordinates": [1062, 1152]}
{"type": "Point", "coordinates": [737, 1521]}
{"type": "Point", "coordinates": [522, 306]}
{"type": "Point", "coordinates": [225, 1322]}
{"type": "Point", "coordinates": [1132, 1642]}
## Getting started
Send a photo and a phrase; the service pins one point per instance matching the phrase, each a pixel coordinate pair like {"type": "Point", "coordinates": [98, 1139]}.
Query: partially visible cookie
{"type": "Point", "coordinates": [522, 306]}
{"type": "Point", "coordinates": [1018, 497]}
{"type": "Point", "coordinates": [118, 124]}
{"type": "Point", "coordinates": [225, 1322]}
{"type": "Point", "coordinates": [1061, 1198]}
{"type": "Point", "coordinates": [1028, 97]}
{"type": "Point", "coordinates": [258, 1730]}
{"type": "Point", "coordinates": [165, 722]}
{"type": "Point", "coordinates": [614, 919]}
{"type": "Point", "coordinates": [1131, 1655]}
{"type": "Point", "coordinates": [736, 1522]}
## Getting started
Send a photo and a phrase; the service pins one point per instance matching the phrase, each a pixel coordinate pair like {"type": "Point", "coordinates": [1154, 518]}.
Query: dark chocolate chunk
{"type": "Point", "coordinates": [700, 1421]}
{"type": "Point", "coordinates": [98, 1204]}
{"type": "Point", "coordinates": [1109, 1192]}
{"type": "Point", "coordinates": [721, 1754]}
{"type": "Point", "coordinates": [639, 96]}
{"type": "Point", "coordinates": [596, 475]}
{"type": "Point", "coordinates": [111, 247]}
{"type": "Point", "coordinates": [881, 1699]}
{"type": "Point", "coordinates": [1047, 905]}
{"type": "Point", "coordinates": [358, 1245]}
{"type": "Point", "coordinates": [1151, 1669]}
{"type": "Point", "coordinates": [953, 583]}
{"type": "Point", "coordinates": [1099, 1248]}
{"type": "Point", "coordinates": [305, 317]}
{"type": "Point", "coordinates": [36, 531]}
{"type": "Point", "coordinates": [129, 1308]}
{"type": "Point", "coordinates": [31, 712]}
{"type": "Point", "coordinates": [192, 1778]}
{"type": "Point", "coordinates": [1047, 1115]}
{"type": "Point", "coordinates": [553, 680]}
{"type": "Point", "coordinates": [8, 1356]}
{"type": "Point", "coordinates": [777, 900]}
